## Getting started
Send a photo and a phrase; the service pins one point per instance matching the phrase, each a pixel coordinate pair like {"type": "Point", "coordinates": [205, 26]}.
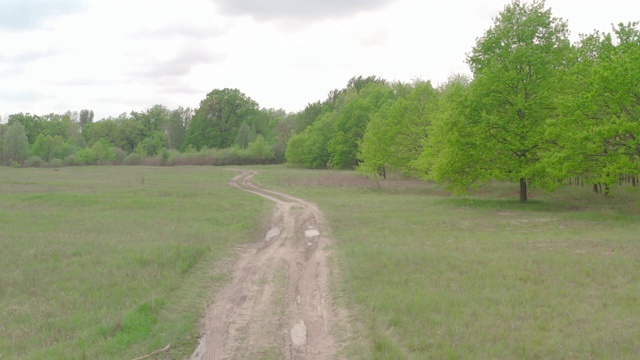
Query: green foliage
{"type": "Point", "coordinates": [133, 159]}
{"type": "Point", "coordinates": [85, 157]}
{"type": "Point", "coordinates": [362, 101]}
{"type": "Point", "coordinates": [164, 156]}
{"type": "Point", "coordinates": [56, 163]}
{"type": "Point", "coordinates": [260, 151]}
{"type": "Point", "coordinates": [85, 117]}
{"type": "Point", "coordinates": [245, 135]}
{"type": "Point", "coordinates": [395, 136]}
{"type": "Point", "coordinates": [448, 155]}
{"type": "Point", "coordinates": [601, 115]}
{"type": "Point", "coordinates": [50, 147]}
{"type": "Point", "coordinates": [310, 148]}
{"type": "Point", "coordinates": [308, 116]}
{"type": "Point", "coordinates": [118, 155]}
{"type": "Point", "coordinates": [31, 123]}
{"type": "Point", "coordinates": [518, 66]}
{"type": "Point", "coordinates": [176, 127]}
{"type": "Point", "coordinates": [217, 120]}
{"type": "Point", "coordinates": [34, 161]}
{"type": "Point", "coordinates": [16, 144]}
{"type": "Point", "coordinates": [332, 139]}
{"type": "Point", "coordinates": [102, 151]}
{"type": "Point", "coordinates": [70, 161]}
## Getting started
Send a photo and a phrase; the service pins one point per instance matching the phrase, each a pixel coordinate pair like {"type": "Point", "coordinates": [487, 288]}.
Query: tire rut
{"type": "Point", "coordinates": [277, 305]}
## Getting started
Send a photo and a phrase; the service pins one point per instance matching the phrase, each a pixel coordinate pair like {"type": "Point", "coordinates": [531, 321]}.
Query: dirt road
{"type": "Point", "coordinates": [277, 305]}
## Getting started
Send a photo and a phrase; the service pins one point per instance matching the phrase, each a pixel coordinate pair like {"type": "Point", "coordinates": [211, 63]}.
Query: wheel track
{"type": "Point", "coordinates": [258, 314]}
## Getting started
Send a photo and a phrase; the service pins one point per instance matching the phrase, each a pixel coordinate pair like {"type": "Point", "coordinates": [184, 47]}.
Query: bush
{"type": "Point", "coordinates": [119, 157]}
{"type": "Point", "coordinates": [70, 161]}
{"type": "Point", "coordinates": [55, 162]}
{"type": "Point", "coordinates": [85, 157]}
{"type": "Point", "coordinates": [34, 161]}
{"type": "Point", "coordinates": [133, 159]}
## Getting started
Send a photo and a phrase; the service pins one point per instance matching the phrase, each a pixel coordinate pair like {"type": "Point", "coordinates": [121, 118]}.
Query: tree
{"type": "Point", "coordinates": [310, 148]}
{"type": "Point", "coordinates": [245, 135]}
{"type": "Point", "coordinates": [85, 117]}
{"type": "Point", "coordinates": [217, 120]}
{"type": "Point", "coordinates": [395, 136]}
{"type": "Point", "coordinates": [308, 116]}
{"type": "Point", "coordinates": [601, 116]}
{"type": "Point", "coordinates": [49, 147]}
{"type": "Point", "coordinates": [16, 145]}
{"type": "Point", "coordinates": [32, 125]}
{"type": "Point", "coordinates": [102, 151]}
{"type": "Point", "coordinates": [260, 150]}
{"type": "Point", "coordinates": [363, 100]}
{"type": "Point", "coordinates": [176, 127]}
{"type": "Point", "coordinates": [448, 155]}
{"type": "Point", "coordinates": [518, 66]}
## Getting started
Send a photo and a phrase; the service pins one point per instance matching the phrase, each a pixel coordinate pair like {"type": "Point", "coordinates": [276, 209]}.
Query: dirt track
{"type": "Point", "coordinates": [277, 305]}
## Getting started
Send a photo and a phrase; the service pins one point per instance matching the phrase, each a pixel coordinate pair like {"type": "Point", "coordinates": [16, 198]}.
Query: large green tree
{"type": "Point", "coordinates": [16, 144]}
{"type": "Point", "coordinates": [395, 136]}
{"type": "Point", "coordinates": [176, 127]}
{"type": "Point", "coordinates": [600, 125]}
{"type": "Point", "coordinates": [49, 147]}
{"type": "Point", "coordinates": [518, 67]}
{"type": "Point", "coordinates": [363, 99]}
{"type": "Point", "coordinates": [218, 118]}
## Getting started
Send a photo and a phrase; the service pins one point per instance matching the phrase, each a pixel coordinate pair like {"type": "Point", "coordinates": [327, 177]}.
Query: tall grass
{"type": "Point", "coordinates": [437, 277]}
{"type": "Point", "coordinates": [114, 262]}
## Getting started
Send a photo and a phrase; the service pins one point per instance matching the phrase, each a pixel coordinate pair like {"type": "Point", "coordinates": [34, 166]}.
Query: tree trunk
{"type": "Point", "coordinates": [523, 190]}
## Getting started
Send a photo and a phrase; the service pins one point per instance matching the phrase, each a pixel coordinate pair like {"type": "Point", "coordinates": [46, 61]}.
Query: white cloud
{"type": "Point", "coordinates": [298, 9]}
{"type": "Point", "coordinates": [120, 55]}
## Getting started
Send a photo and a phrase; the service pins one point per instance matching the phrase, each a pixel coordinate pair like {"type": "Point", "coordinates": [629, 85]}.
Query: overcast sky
{"type": "Point", "coordinates": [116, 56]}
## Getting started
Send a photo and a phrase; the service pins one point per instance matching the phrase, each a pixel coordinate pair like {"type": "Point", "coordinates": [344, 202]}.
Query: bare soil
{"type": "Point", "coordinates": [277, 305]}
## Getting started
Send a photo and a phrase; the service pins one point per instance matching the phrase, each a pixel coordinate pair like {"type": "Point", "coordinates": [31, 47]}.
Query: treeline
{"type": "Point", "coordinates": [539, 111]}
{"type": "Point", "coordinates": [227, 128]}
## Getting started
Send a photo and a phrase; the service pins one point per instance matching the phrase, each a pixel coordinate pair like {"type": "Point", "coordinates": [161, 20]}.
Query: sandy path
{"type": "Point", "coordinates": [277, 305]}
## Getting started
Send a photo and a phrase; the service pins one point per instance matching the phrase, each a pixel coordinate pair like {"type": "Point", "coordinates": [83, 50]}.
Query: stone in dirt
{"type": "Point", "coordinates": [299, 334]}
{"type": "Point", "coordinates": [311, 233]}
{"type": "Point", "coordinates": [273, 232]}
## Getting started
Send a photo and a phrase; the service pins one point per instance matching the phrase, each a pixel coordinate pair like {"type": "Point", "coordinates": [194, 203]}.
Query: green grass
{"type": "Point", "coordinates": [484, 276]}
{"type": "Point", "coordinates": [114, 262]}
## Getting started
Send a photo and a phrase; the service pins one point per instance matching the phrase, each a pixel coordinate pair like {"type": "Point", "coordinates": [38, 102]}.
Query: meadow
{"type": "Point", "coordinates": [115, 262]}
{"type": "Point", "coordinates": [430, 276]}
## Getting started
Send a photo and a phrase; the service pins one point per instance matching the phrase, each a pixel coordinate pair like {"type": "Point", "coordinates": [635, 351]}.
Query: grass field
{"type": "Point", "coordinates": [114, 262]}
{"type": "Point", "coordinates": [437, 277]}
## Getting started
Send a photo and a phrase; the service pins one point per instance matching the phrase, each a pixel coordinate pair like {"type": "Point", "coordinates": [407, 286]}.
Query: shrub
{"type": "Point", "coordinates": [34, 161]}
{"type": "Point", "coordinates": [119, 156]}
{"type": "Point", "coordinates": [70, 161]}
{"type": "Point", "coordinates": [55, 162]}
{"type": "Point", "coordinates": [133, 159]}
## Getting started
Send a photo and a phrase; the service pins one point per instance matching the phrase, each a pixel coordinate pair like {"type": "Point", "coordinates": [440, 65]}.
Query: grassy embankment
{"type": "Point", "coordinates": [436, 277]}
{"type": "Point", "coordinates": [114, 262]}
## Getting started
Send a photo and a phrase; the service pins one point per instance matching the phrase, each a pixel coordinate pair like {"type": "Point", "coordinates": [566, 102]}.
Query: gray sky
{"type": "Point", "coordinates": [121, 55]}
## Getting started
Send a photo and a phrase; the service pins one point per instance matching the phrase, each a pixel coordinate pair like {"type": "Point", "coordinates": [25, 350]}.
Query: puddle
{"type": "Point", "coordinates": [311, 233]}
{"type": "Point", "coordinates": [273, 232]}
